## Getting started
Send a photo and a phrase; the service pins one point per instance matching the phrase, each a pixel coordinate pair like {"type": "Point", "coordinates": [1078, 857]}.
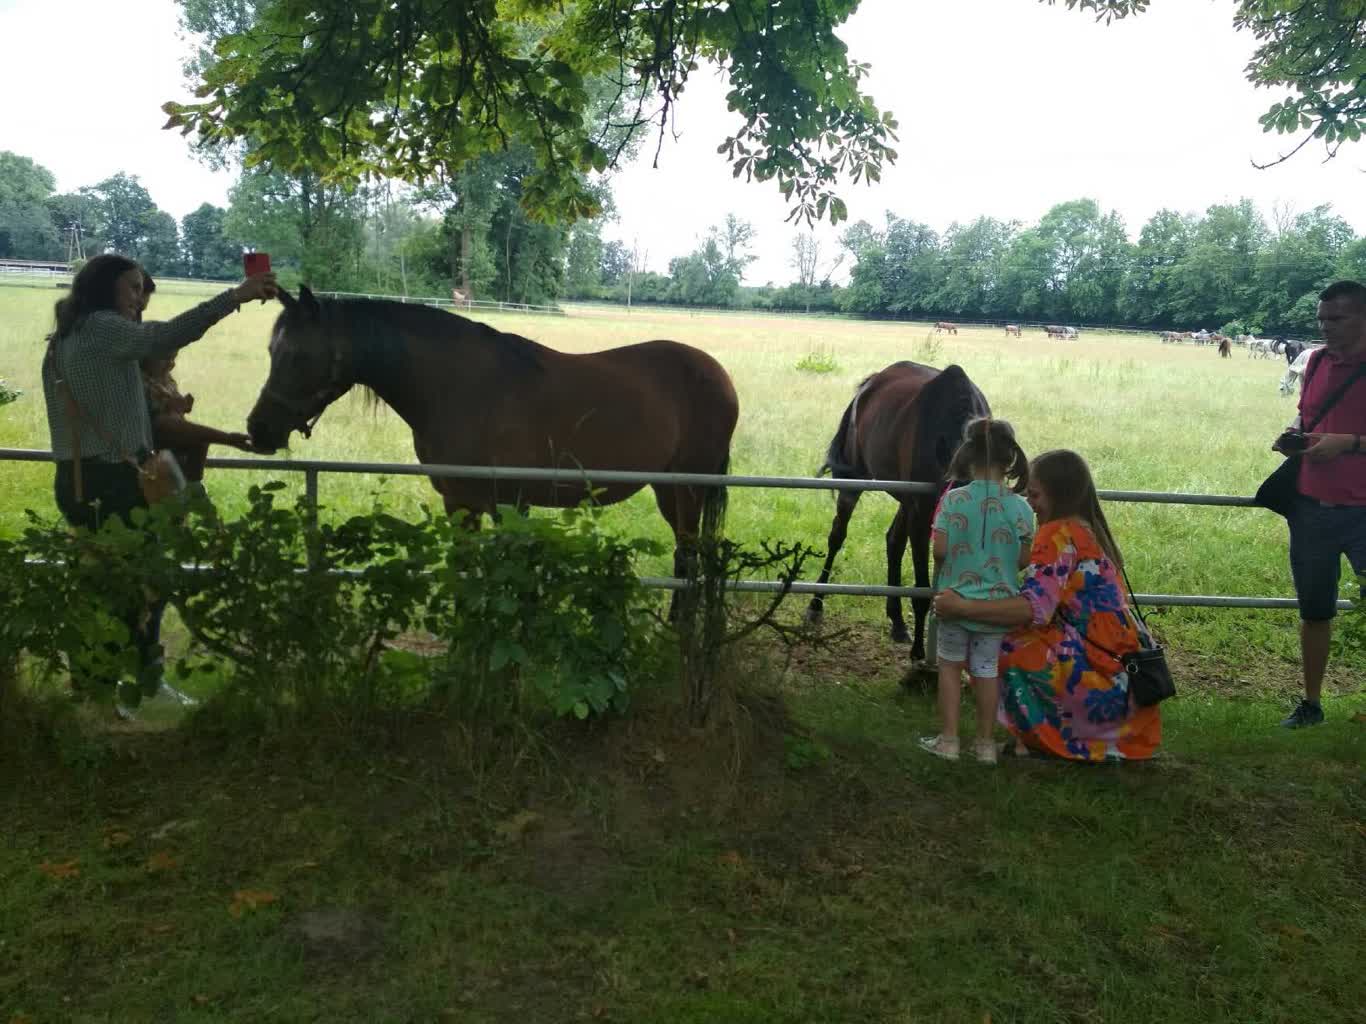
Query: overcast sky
{"type": "Point", "coordinates": [1006, 107]}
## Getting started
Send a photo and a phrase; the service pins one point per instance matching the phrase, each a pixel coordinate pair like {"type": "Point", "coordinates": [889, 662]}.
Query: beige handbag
{"type": "Point", "coordinates": [159, 475]}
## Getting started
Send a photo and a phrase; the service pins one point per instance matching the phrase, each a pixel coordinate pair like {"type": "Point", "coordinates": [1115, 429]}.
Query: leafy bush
{"type": "Point", "coordinates": [820, 359]}
{"type": "Point", "coordinates": [296, 617]}
{"type": "Point", "coordinates": [7, 393]}
{"type": "Point", "coordinates": [544, 607]}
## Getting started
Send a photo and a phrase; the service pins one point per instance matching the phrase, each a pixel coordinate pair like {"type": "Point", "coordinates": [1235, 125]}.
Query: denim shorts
{"type": "Point", "coordinates": [979, 650]}
{"type": "Point", "coordinates": [1319, 536]}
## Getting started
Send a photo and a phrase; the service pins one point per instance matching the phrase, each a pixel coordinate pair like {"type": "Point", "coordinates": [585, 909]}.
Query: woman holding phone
{"type": "Point", "coordinates": [96, 408]}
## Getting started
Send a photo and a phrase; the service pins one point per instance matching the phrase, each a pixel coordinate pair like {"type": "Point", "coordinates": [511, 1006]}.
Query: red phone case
{"type": "Point", "coordinates": [255, 262]}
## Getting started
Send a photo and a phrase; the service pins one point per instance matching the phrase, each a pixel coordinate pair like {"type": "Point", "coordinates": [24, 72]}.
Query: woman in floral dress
{"type": "Point", "coordinates": [1063, 691]}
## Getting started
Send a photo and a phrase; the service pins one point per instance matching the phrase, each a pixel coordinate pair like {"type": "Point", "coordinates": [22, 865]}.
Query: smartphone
{"type": "Point", "coordinates": [1293, 441]}
{"type": "Point", "coordinates": [255, 263]}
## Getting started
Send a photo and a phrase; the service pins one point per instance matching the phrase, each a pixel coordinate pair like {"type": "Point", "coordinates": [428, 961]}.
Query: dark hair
{"type": "Point", "coordinates": [1065, 478]}
{"type": "Point", "coordinates": [94, 288]}
{"type": "Point", "coordinates": [148, 287]}
{"type": "Point", "coordinates": [1354, 290]}
{"type": "Point", "coordinates": [990, 444]}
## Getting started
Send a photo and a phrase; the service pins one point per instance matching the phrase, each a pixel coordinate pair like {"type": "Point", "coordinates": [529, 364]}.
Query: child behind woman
{"type": "Point", "coordinates": [982, 536]}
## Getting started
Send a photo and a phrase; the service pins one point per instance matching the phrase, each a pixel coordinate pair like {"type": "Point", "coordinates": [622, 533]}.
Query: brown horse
{"type": "Point", "coordinates": [904, 423]}
{"type": "Point", "coordinates": [944, 327]}
{"type": "Point", "coordinates": [1013, 329]}
{"type": "Point", "coordinates": [1225, 347]}
{"type": "Point", "coordinates": [476, 396]}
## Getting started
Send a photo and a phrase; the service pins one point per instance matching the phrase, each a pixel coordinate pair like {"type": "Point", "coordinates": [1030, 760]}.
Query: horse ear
{"type": "Point", "coordinates": [309, 303]}
{"type": "Point", "coordinates": [288, 301]}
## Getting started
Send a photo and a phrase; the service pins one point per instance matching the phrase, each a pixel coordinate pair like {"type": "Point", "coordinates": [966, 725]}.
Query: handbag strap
{"type": "Point", "coordinates": [1335, 397]}
{"type": "Point", "coordinates": [78, 417]}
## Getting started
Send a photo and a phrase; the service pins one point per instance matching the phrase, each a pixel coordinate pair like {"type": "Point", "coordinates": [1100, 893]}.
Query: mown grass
{"type": "Point", "coordinates": [1147, 416]}
{"type": "Point", "coordinates": [783, 869]}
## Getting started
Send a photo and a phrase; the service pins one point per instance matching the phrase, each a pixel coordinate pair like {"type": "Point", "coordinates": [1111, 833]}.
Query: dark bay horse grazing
{"type": "Point", "coordinates": [904, 423]}
{"type": "Point", "coordinates": [476, 396]}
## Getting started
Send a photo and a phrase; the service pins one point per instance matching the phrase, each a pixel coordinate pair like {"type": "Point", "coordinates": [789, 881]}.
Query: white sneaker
{"type": "Point", "coordinates": [985, 751]}
{"type": "Point", "coordinates": [939, 746]}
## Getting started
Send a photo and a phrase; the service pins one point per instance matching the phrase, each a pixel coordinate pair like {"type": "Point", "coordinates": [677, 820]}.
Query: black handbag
{"type": "Point", "coordinates": [1279, 491]}
{"type": "Point", "coordinates": [1150, 680]}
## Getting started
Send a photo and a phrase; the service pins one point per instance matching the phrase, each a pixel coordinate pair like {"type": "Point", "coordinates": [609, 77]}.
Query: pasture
{"type": "Point", "coordinates": [804, 862]}
{"type": "Point", "coordinates": [1147, 416]}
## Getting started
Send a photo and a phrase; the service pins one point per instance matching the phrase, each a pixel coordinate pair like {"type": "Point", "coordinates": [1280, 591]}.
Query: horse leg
{"type": "Point", "coordinates": [681, 508]}
{"type": "Point", "coordinates": [896, 551]}
{"type": "Point", "coordinates": [839, 529]}
{"type": "Point", "coordinates": [920, 524]}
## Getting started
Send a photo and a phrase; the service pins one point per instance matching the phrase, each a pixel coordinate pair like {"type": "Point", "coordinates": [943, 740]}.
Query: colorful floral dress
{"type": "Point", "coordinates": [1060, 693]}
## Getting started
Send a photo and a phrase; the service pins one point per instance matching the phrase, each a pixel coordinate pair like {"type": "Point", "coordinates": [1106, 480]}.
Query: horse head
{"type": "Point", "coordinates": [307, 373]}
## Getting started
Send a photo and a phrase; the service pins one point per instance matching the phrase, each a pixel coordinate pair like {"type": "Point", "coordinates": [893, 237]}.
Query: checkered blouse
{"type": "Point", "coordinates": [99, 362]}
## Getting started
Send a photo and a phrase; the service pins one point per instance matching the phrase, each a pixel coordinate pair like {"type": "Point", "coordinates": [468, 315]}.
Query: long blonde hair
{"type": "Point", "coordinates": [1065, 478]}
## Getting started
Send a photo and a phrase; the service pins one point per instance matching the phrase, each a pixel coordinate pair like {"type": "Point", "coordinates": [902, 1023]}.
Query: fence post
{"type": "Point", "coordinates": [311, 512]}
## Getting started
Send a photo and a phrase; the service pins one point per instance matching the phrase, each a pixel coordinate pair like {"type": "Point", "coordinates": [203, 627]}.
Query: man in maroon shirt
{"type": "Point", "coordinates": [1329, 519]}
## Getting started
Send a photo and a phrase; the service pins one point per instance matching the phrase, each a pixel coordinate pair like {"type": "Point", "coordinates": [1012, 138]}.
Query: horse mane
{"type": "Point", "coordinates": [947, 403]}
{"type": "Point", "coordinates": [377, 330]}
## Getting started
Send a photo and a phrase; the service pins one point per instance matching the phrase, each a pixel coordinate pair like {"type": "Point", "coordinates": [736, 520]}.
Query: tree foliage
{"type": "Point", "coordinates": [418, 89]}
{"type": "Point", "coordinates": [26, 230]}
{"type": "Point", "coordinates": [1076, 264]}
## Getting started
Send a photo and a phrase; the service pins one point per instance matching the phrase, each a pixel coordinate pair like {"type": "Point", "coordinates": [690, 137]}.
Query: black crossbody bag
{"type": "Point", "coordinates": [1280, 490]}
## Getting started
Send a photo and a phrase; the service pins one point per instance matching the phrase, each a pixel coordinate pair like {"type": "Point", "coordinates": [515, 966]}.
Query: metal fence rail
{"type": "Point", "coordinates": [578, 478]}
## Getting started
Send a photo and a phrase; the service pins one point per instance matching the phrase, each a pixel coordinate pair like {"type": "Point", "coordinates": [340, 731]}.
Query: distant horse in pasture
{"type": "Point", "coordinates": [1169, 337]}
{"type": "Point", "coordinates": [476, 396]}
{"type": "Point", "coordinates": [1225, 347]}
{"type": "Point", "coordinates": [1294, 373]}
{"type": "Point", "coordinates": [1259, 348]}
{"type": "Point", "coordinates": [1012, 329]}
{"type": "Point", "coordinates": [904, 423]}
{"type": "Point", "coordinates": [1054, 331]}
{"type": "Point", "coordinates": [1291, 350]}
{"type": "Point", "coordinates": [944, 327]}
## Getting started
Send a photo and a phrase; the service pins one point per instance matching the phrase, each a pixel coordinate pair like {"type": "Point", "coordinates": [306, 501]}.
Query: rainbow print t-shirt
{"type": "Point", "coordinates": [986, 526]}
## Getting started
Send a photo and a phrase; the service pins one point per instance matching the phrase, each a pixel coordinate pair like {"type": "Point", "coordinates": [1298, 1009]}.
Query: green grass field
{"type": "Point", "coordinates": [800, 860]}
{"type": "Point", "coordinates": [1145, 415]}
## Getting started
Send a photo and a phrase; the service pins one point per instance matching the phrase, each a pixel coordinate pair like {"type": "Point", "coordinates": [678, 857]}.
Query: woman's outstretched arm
{"type": "Point", "coordinates": [1007, 612]}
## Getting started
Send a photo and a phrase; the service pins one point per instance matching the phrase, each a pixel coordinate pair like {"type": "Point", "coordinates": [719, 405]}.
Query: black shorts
{"type": "Point", "coordinates": [1319, 536]}
{"type": "Point", "coordinates": [110, 489]}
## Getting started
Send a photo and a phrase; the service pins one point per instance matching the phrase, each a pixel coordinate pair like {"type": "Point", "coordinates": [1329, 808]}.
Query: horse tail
{"type": "Point", "coordinates": [837, 463]}
{"type": "Point", "coordinates": [947, 403]}
{"type": "Point", "coordinates": [714, 505]}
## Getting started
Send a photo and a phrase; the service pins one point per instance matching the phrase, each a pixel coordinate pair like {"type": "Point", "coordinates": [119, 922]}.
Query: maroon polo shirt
{"type": "Point", "coordinates": [1339, 481]}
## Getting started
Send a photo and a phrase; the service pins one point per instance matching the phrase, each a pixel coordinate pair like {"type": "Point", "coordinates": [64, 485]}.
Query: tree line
{"type": "Point", "coordinates": [1226, 269]}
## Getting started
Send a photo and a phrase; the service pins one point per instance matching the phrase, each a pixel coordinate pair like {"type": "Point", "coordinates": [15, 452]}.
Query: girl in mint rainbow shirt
{"type": "Point", "coordinates": [982, 536]}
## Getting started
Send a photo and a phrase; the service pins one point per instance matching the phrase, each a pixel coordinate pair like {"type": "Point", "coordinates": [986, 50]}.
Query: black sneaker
{"type": "Point", "coordinates": [1307, 712]}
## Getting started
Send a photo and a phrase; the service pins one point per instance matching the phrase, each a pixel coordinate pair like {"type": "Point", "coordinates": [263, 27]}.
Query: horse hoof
{"type": "Point", "coordinates": [814, 614]}
{"type": "Point", "coordinates": [900, 635]}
